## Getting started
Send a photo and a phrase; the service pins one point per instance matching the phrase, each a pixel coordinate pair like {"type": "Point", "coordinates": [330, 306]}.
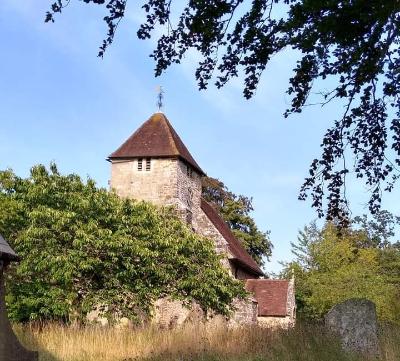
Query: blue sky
{"type": "Point", "coordinates": [59, 102]}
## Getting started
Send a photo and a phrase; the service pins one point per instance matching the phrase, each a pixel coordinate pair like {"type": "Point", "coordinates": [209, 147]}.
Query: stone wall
{"type": "Point", "coordinates": [245, 313]}
{"type": "Point", "coordinates": [188, 193]}
{"type": "Point", "coordinates": [170, 313]}
{"type": "Point", "coordinates": [172, 182]}
{"type": "Point", "coordinates": [291, 302]}
{"type": "Point", "coordinates": [275, 322]}
{"type": "Point", "coordinates": [168, 182]}
{"type": "Point", "coordinates": [207, 229]}
{"type": "Point", "coordinates": [159, 185]}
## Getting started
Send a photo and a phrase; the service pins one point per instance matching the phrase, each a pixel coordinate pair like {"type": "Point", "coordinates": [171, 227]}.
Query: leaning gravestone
{"type": "Point", "coordinates": [10, 348]}
{"type": "Point", "coordinates": [355, 322]}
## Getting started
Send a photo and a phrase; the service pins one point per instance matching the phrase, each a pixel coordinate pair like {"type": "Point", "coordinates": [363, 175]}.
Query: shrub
{"type": "Point", "coordinates": [83, 246]}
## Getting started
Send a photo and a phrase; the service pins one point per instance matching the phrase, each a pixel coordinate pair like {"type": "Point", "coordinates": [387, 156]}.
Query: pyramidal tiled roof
{"type": "Point", "coordinates": [155, 138]}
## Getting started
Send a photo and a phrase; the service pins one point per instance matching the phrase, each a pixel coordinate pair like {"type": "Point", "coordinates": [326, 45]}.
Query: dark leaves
{"type": "Point", "coordinates": [235, 210]}
{"type": "Point", "coordinates": [355, 43]}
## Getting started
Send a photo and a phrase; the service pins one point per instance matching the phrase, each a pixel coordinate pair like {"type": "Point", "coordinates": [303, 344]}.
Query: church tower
{"type": "Point", "coordinates": [154, 165]}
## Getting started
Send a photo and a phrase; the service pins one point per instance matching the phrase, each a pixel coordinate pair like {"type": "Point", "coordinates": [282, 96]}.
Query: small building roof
{"type": "Point", "coordinates": [155, 138]}
{"type": "Point", "coordinates": [241, 256]}
{"type": "Point", "coordinates": [271, 296]}
{"type": "Point", "coordinates": [6, 252]}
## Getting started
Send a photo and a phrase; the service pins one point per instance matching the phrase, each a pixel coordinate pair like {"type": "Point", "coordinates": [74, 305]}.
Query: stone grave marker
{"type": "Point", "coordinates": [10, 348]}
{"type": "Point", "coordinates": [355, 322]}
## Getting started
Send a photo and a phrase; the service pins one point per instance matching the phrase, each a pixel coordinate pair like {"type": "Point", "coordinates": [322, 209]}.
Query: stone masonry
{"type": "Point", "coordinates": [170, 313]}
{"type": "Point", "coordinates": [245, 312]}
{"type": "Point", "coordinates": [205, 227]}
{"type": "Point", "coordinates": [154, 165]}
{"type": "Point", "coordinates": [170, 182]}
{"type": "Point", "coordinates": [158, 186]}
{"type": "Point", "coordinates": [356, 323]}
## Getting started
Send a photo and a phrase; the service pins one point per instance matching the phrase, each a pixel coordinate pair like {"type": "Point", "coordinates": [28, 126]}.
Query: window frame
{"type": "Point", "coordinates": [148, 164]}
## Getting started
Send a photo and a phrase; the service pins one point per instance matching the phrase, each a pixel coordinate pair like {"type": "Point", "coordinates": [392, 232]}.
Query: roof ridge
{"type": "Point", "coordinates": [170, 133]}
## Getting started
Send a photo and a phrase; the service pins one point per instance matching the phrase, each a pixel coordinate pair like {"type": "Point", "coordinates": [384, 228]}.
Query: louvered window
{"type": "Point", "coordinates": [140, 164]}
{"type": "Point", "coordinates": [148, 164]}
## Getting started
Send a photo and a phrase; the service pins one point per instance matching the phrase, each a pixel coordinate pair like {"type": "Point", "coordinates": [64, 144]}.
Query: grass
{"type": "Point", "coordinates": [193, 343]}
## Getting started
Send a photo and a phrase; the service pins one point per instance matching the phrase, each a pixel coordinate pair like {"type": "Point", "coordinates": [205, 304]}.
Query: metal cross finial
{"type": "Point", "coordinates": [160, 97]}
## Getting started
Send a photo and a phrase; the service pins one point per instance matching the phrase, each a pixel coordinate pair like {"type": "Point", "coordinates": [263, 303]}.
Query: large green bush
{"type": "Point", "coordinates": [82, 246]}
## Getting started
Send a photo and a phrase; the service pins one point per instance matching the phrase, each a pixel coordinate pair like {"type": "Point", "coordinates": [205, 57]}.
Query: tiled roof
{"type": "Point", "coordinates": [235, 246]}
{"type": "Point", "coordinates": [271, 296]}
{"type": "Point", "coordinates": [155, 138]}
{"type": "Point", "coordinates": [6, 252]}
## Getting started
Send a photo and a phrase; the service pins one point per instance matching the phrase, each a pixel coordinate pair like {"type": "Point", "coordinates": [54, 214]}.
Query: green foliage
{"type": "Point", "coordinates": [82, 246]}
{"type": "Point", "coordinates": [353, 43]}
{"type": "Point", "coordinates": [235, 210]}
{"type": "Point", "coordinates": [334, 264]}
{"type": "Point", "coordinates": [303, 249]}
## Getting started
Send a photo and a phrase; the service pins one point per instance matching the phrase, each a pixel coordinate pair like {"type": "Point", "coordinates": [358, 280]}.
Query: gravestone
{"type": "Point", "coordinates": [10, 348]}
{"type": "Point", "coordinates": [355, 322]}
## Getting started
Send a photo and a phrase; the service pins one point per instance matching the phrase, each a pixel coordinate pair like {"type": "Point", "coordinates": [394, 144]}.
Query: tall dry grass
{"type": "Point", "coordinates": [193, 343]}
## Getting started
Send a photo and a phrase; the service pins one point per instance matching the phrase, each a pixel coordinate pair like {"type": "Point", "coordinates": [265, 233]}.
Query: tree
{"type": "Point", "coordinates": [352, 42]}
{"type": "Point", "coordinates": [82, 246]}
{"type": "Point", "coordinates": [334, 264]}
{"type": "Point", "coordinates": [380, 230]}
{"type": "Point", "coordinates": [303, 249]}
{"type": "Point", "coordinates": [235, 210]}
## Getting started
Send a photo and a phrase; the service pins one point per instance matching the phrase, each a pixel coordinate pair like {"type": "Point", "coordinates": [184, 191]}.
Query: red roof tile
{"type": "Point", "coordinates": [155, 138]}
{"type": "Point", "coordinates": [271, 296]}
{"type": "Point", "coordinates": [235, 246]}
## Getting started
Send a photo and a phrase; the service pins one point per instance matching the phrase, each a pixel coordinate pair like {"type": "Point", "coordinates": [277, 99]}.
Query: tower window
{"type": "Point", "coordinates": [189, 171]}
{"type": "Point", "coordinates": [148, 164]}
{"type": "Point", "coordinates": [140, 164]}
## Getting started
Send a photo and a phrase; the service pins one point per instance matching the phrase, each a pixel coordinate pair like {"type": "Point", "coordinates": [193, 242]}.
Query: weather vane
{"type": "Point", "coordinates": [160, 97]}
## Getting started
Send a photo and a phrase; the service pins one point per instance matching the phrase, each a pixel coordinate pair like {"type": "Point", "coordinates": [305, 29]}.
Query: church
{"type": "Point", "coordinates": [154, 165]}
